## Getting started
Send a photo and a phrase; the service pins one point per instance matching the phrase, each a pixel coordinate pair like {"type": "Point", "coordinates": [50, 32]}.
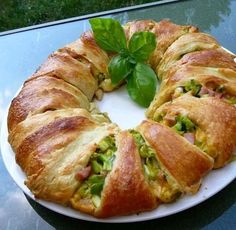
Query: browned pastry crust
{"type": "Point", "coordinates": [87, 50]}
{"type": "Point", "coordinates": [126, 190]}
{"type": "Point", "coordinates": [50, 154]}
{"type": "Point", "coordinates": [62, 65]}
{"type": "Point", "coordinates": [182, 160]}
{"type": "Point", "coordinates": [217, 58]}
{"type": "Point", "coordinates": [206, 76]}
{"type": "Point", "coordinates": [185, 44]}
{"type": "Point", "coordinates": [42, 94]}
{"type": "Point", "coordinates": [214, 117]}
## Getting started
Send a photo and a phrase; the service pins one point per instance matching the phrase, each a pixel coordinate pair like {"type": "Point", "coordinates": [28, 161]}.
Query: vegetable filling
{"type": "Point", "coordinates": [152, 171]}
{"type": "Point", "coordinates": [186, 128]}
{"type": "Point", "coordinates": [184, 125]}
{"type": "Point", "coordinates": [100, 164]}
{"type": "Point", "coordinates": [198, 90]}
{"type": "Point", "coordinates": [148, 157]}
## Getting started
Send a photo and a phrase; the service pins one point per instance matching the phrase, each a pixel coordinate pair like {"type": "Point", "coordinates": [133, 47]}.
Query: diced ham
{"type": "Point", "coordinates": [84, 173]}
{"type": "Point", "coordinates": [190, 137]}
{"type": "Point", "coordinates": [219, 95]}
{"type": "Point", "coordinates": [170, 119]}
{"type": "Point", "coordinates": [211, 93]}
{"type": "Point", "coordinates": [203, 91]}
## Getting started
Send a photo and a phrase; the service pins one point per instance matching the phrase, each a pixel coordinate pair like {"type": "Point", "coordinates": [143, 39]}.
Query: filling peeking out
{"type": "Point", "coordinates": [156, 177]}
{"type": "Point", "coordinates": [183, 125]}
{"type": "Point", "coordinates": [92, 177]}
{"type": "Point", "coordinates": [198, 90]}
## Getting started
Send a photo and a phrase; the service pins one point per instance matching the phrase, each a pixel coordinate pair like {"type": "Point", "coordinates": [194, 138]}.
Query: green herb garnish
{"type": "Point", "coordinates": [129, 62]}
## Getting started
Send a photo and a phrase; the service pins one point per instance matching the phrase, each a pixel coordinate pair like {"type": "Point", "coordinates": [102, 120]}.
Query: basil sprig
{"type": "Point", "coordinates": [108, 34]}
{"type": "Point", "coordinates": [129, 62]}
{"type": "Point", "coordinates": [141, 85]}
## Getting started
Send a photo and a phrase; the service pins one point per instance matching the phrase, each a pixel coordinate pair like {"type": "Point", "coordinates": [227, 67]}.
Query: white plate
{"type": "Point", "coordinates": [127, 115]}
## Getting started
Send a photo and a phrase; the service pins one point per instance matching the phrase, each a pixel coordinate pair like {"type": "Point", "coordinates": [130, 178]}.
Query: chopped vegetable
{"type": "Point", "coordinates": [96, 200]}
{"type": "Point", "coordinates": [147, 154]}
{"type": "Point", "coordinates": [192, 86]}
{"type": "Point", "coordinates": [100, 164]}
{"type": "Point", "coordinates": [184, 124]}
{"type": "Point", "coordinates": [96, 184]}
{"type": "Point", "coordinates": [231, 100]}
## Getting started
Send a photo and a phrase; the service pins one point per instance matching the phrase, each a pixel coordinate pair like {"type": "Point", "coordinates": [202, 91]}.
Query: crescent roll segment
{"type": "Point", "coordinates": [215, 123]}
{"type": "Point", "coordinates": [218, 82]}
{"type": "Point", "coordinates": [88, 51]}
{"type": "Point", "coordinates": [164, 187]}
{"type": "Point", "coordinates": [52, 155]}
{"type": "Point", "coordinates": [182, 160]}
{"type": "Point", "coordinates": [166, 33]}
{"type": "Point", "coordinates": [33, 123]}
{"type": "Point", "coordinates": [126, 190]}
{"type": "Point", "coordinates": [62, 65]}
{"type": "Point", "coordinates": [41, 94]}
{"type": "Point", "coordinates": [216, 58]}
{"type": "Point", "coordinates": [185, 44]}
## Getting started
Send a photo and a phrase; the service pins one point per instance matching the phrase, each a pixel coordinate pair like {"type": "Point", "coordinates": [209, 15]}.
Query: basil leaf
{"type": "Point", "coordinates": [108, 34]}
{"type": "Point", "coordinates": [119, 68]}
{"type": "Point", "coordinates": [141, 45]}
{"type": "Point", "coordinates": [141, 85]}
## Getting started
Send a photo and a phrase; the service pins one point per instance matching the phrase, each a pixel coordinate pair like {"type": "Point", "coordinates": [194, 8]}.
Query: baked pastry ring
{"type": "Point", "coordinates": [74, 155]}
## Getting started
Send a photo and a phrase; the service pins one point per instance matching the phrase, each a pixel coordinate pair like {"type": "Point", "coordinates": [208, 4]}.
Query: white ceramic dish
{"type": "Point", "coordinates": [126, 114]}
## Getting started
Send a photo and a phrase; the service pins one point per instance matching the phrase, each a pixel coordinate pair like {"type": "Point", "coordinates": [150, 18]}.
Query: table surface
{"type": "Point", "coordinates": [20, 55]}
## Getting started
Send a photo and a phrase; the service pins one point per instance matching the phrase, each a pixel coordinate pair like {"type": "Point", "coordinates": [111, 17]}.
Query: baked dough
{"type": "Point", "coordinates": [75, 156]}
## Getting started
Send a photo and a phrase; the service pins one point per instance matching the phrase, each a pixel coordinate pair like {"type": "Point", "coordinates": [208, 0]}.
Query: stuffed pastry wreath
{"type": "Point", "coordinates": [74, 155]}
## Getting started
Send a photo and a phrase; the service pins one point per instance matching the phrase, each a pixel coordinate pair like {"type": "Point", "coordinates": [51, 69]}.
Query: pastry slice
{"type": "Point", "coordinates": [62, 65]}
{"type": "Point", "coordinates": [216, 58]}
{"type": "Point", "coordinates": [52, 153]}
{"type": "Point", "coordinates": [207, 122]}
{"type": "Point", "coordinates": [38, 121]}
{"type": "Point", "coordinates": [182, 161]}
{"type": "Point", "coordinates": [86, 50]}
{"type": "Point", "coordinates": [163, 185]}
{"type": "Point", "coordinates": [42, 94]}
{"type": "Point", "coordinates": [199, 82]}
{"type": "Point", "coordinates": [116, 185]}
{"type": "Point", "coordinates": [185, 44]}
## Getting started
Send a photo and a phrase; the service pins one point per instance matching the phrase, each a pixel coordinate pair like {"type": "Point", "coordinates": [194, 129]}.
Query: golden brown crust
{"type": "Point", "coordinates": [217, 58]}
{"type": "Point", "coordinates": [126, 191]}
{"type": "Point", "coordinates": [186, 163]}
{"type": "Point", "coordinates": [35, 122]}
{"type": "Point", "coordinates": [52, 153]}
{"type": "Point", "coordinates": [55, 135]}
{"type": "Point", "coordinates": [206, 76]}
{"type": "Point", "coordinates": [42, 94]}
{"type": "Point", "coordinates": [214, 117]}
{"type": "Point", "coordinates": [62, 65]}
{"type": "Point", "coordinates": [87, 49]}
{"type": "Point", "coordinates": [185, 44]}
